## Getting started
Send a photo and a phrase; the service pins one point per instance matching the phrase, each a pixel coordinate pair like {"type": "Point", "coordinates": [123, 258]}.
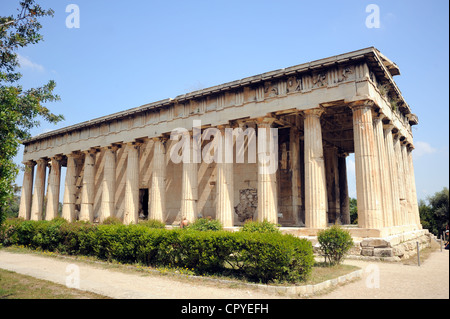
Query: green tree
{"type": "Point", "coordinates": [20, 110]}
{"type": "Point", "coordinates": [435, 215]}
{"type": "Point", "coordinates": [353, 211]}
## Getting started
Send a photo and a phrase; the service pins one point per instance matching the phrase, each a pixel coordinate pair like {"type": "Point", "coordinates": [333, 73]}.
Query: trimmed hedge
{"type": "Point", "coordinates": [260, 257]}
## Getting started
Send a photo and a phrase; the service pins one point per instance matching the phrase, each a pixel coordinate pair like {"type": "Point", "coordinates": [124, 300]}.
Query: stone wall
{"type": "Point", "coordinates": [392, 248]}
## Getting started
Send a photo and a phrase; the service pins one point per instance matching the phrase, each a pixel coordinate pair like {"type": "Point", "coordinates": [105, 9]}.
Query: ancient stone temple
{"type": "Point", "coordinates": [306, 119]}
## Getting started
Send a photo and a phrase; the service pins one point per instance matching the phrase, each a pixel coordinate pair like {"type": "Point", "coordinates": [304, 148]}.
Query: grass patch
{"type": "Point", "coordinates": [322, 272]}
{"type": "Point", "coordinates": [18, 286]}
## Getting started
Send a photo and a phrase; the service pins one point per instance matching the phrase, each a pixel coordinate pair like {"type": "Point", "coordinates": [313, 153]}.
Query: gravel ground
{"type": "Point", "coordinates": [381, 280]}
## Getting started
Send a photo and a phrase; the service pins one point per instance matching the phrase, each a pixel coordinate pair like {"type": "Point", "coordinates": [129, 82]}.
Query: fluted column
{"type": "Point", "coordinates": [225, 180]}
{"type": "Point", "coordinates": [267, 168]}
{"type": "Point", "coordinates": [343, 189]}
{"type": "Point", "coordinates": [37, 206]}
{"type": "Point", "coordinates": [108, 206]}
{"type": "Point", "coordinates": [367, 168]}
{"type": "Point", "coordinates": [400, 180]}
{"type": "Point", "coordinates": [157, 198]}
{"type": "Point", "coordinates": [332, 178]}
{"type": "Point", "coordinates": [27, 189]}
{"type": "Point", "coordinates": [189, 186]}
{"type": "Point", "coordinates": [68, 212]}
{"type": "Point", "coordinates": [53, 188]}
{"type": "Point", "coordinates": [407, 181]}
{"type": "Point", "coordinates": [385, 185]}
{"type": "Point", "coordinates": [315, 182]}
{"type": "Point", "coordinates": [87, 190]}
{"type": "Point", "coordinates": [294, 153]}
{"type": "Point", "coordinates": [393, 175]}
{"type": "Point", "coordinates": [415, 205]}
{"type": "Point", "coordinates": [131, 213]}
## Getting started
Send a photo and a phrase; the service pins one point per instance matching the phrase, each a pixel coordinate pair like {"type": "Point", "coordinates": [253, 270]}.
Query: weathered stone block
{"type": "Point", "coordinates": [382, 252]}
{"type": "Point", "coordinates": [398, 251]}
{"type": "Point", "coordinates": [375, 242]}
{"type": "Point", "coordinates": [368, 251]}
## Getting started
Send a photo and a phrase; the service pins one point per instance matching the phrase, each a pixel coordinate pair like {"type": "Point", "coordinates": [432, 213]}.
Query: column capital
{"type": "Point", "coordinates": [135, 144]}
{"type": "Point", "coordinates": [163, 139]}
{"type": "Point", "coordinates": [248, 123]}
{"type": "Point", "coordinates": [222, 127]}
{"type": "Point", "coordinates": [265, 120]}
{"type": "Point", "coordinates": [379, 116]}
{"type": "Point", "coordinates": [397, 135]}
{"type": "Point", "coordinates": [42, 161]}
{"type": "Point", "coordinates": [361, 104]}
{"type": "Point", "coordinates": [112, 147]}
{"type": "Point", "coordinates": [74, 155]}
{"type": "Point", "coordinates": [317, 112]}
{"type": "Point", "coordinates": [90, 151]}
{"type": "Point", "coordinates": [29, 163]}
{"type": "Point", "coordinates": [388, 126]}
{"type": "Point", "coordinates": [58, 157]}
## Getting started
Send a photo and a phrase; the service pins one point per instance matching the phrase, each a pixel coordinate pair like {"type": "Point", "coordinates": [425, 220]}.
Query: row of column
{"type": "Point", "coordinates": [385, 185]}
{"type": "Point", "coordinates": [32, 200]}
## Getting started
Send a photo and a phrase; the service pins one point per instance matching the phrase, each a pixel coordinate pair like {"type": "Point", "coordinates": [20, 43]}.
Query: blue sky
{"type": "Point", "coordinates": [129, 53]}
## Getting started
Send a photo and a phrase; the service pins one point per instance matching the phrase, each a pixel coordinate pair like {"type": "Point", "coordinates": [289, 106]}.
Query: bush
{"type": "Point", "coordinates": [334, 242]}
{"type": "Point", "coordinates": [260, 227]}
{"type": "Point", "coordinates": [258, 257]}
{"type": "Point", "coordinates": [272, 256]}
{"type": "Point", "coordinates": [205, 224]}
{"type": "Point", "coordinates": [153, 223]}
{"type": "Point", "coordinates": [111, 220]}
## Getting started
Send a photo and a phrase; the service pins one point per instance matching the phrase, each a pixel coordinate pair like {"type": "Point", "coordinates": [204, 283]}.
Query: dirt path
{"type": "Point", "coordinates": [119, 284]}
{"type": "Point", "coordinates": [383, 280]}
{"type": "Point", "coordinates": [380, 280]}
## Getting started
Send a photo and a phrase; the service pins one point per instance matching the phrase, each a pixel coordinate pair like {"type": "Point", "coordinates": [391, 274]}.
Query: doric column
{"type": "Point", "coordinates": [189, 184]}
{"type": "Point", "coordinates": [157, 198]}
{"type": "Point", "coordinates": [131, 213]}
{"type": "Point", "coordinates": [385, 185]}
{"type": "Point", "coordinates": [27, 189]}
{"type": "Point", "coordinates": [70, 189]}
{"type": "Point", "coordinates": [294, 153]}
{"type": "Point", "coordinates": [53, 188]}
{"type": "Point", "coordinates": [37, 206]}
{"type": "Point", "coordinates": [315, 182]}
{"type": "Point", "coordinates": [367, 168]}
{"type": "Point", "coordinates": [225, 180]}
{"type": "Point", "coordinates": [267, 168]}
{"type": "Point", "coordinates": [400, 179]}
{"type": "Point", "coordinates": [407, 181]}
{"type": "Point", "coordinates": [108, 206]}
{"type": "Point", "coordinates": [343, 189]}
{"type": "Point", "coordinates": [87, 190]}
{"type": "Point", "coordinates": [415, 205]}
{"type": "Point", "coordinates": [393, 175]}
{"type": "Point", "coordinates": [332, 178]}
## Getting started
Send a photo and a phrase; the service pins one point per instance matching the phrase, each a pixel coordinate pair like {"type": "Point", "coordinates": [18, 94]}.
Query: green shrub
{"type": "Point", "coordinates": [153, 223]}
{"type": "Point", "coordinates": [205, 224]}
{"type": "Point", "coordinates": [272, 256]}
{"type": "Point", "coordinates": [258, 257]}
{"type": "Point", "coordinates": [111, 220]}
{"type": "Point", "coordinates": [260, 227]}
{"type": "Point", "coordinates": [334, 242]}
